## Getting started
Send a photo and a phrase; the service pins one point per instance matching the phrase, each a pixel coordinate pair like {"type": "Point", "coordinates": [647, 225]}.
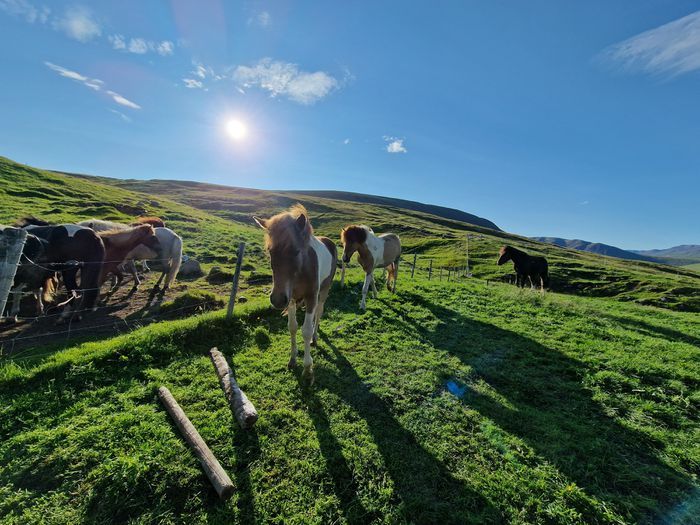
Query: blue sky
{"type": "Point", "coordinates": [570, 119]}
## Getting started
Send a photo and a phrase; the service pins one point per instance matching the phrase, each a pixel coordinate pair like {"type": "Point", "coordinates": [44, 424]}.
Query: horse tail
{"type": "Point", "coordinates": [175, 260]}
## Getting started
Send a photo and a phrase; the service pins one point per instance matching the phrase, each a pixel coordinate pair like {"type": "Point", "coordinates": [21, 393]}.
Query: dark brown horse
{"type": "Point", "coordinates": [534, 267]}
{"type": "Point", "coordinates": [70, 248]}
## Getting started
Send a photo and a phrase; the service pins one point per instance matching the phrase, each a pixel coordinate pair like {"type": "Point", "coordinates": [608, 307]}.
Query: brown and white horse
{"type": "Point", "coordinates": [373, 251]}
{"type": "Point", "coordinates": [119, 243]}
{"type": "Point", "coordinates": [303, 267]}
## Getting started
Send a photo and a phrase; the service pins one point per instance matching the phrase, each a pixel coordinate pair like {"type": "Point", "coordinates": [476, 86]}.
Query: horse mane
{"type": "Point", "coordinates": [282, 227]}
{"type": "Point", "coordinates": [354, 234]}
{"type": "Point", "coordinates": [30, 220]}
{"type": "Point", "coordinates": [123, 237]}
{"type": "Point", "coordinates": [156, 222]}
{"type": "Point", "coordinates": [511, 249]}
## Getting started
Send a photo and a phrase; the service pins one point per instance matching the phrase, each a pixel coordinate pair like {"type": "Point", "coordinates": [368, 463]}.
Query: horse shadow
{"type": "Point", "coordinates": [426, 490]}
{"type": "Point", "coordinates": [549, 408]}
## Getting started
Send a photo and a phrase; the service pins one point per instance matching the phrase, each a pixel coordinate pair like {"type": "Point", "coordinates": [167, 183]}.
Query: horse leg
{"type": "Point", "coordinates": [292, 325]}
{"type": "Point", "coordinates": [317, 321]}
{"type": "Point", "coordinates": [16, 301]}
{"type": "Point", "coordinates": [365, 287]}
{"type": "Point", "coordinates": [39, 302]}
{"type": "Point", "coordinates": [532, 284]}
{"type": "Point", "coordinates": [396, 276]}
{"type": "Point", "coordinates": [307, 331]}
{"type": "Point", "coordinates": [374, 287]}
{"type": "Point", "coordinates": [342, 274]}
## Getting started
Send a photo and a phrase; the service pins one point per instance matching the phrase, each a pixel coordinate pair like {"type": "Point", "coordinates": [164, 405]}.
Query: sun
{"type": "Point", "coordinates": [236, 129]}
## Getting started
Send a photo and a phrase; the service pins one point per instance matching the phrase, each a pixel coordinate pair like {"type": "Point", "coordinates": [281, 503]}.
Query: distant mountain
{"type": "Point", "coordinates": [684, 251]}
{"type": "Point", "coordinates": [597, 247]}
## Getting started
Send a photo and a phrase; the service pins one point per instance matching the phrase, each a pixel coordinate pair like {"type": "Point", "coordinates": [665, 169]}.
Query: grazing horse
{"type": "Point", "coordinates": [119, 243]}
{"type": "Point", "coordinates": [70, 248]}
{"type": "Point", "coordinates": [169, 251]}
{"type": "Point", "coordinates": [373, 251]}
{"type": "Point", "coordinates": [530, 266]}
{"type": "Point", "coordinates": [156, 222]}
{"type": "Point", "coordinates": [42, 282]}
{"type": "Point", "coordinates": [303, 267]}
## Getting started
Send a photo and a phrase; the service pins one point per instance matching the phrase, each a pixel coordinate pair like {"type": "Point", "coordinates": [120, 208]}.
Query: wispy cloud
{"type": "Point", "coordinates": [121, 115]}
{"type": "Point", "coordinates": [346, 141]}
{"type": "Point", "coordinates": [26, 10]}
{"type": "Point", "coordinates": [201, 75]}
{"type": "Point", "coordinates": [193, 83]}
{"type": "Point", "coordinates": [79, 24]}
{"type": "Point", "coordinates": [395, 145]}
{"type": "Point", "coordinates": [285, 79]}
{"type": "Point", "coordinates": [262, 19]}
{"type": "Point", "coordinates": [141, 46]}
{"type": "Point", "coordinates": [671, 49]}
{"type": "Point", "coordinates": [93, 83]}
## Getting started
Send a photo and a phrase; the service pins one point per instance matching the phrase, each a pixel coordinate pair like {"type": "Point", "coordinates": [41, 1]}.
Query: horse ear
{"type": "Point", "coordinates": [301, 222]}
{"type": "Point", "coordinates": [261, 222]}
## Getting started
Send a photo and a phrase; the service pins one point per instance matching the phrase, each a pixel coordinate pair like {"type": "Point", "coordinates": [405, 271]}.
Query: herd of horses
{"type": "Point", "coordinates": [303, 265]}
{"type": "Point", "coordinates": [94, 250]}
{"type": "Point", "coordinates": [303, 268]}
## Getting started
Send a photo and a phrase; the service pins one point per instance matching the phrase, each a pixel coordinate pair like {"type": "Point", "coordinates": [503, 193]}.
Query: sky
{"type": "Point", "coordinates": [568, 119]}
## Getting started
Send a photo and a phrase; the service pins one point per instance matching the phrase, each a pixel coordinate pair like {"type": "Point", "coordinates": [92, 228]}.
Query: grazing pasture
{"type": "Point", "coordinates": [455, 402]}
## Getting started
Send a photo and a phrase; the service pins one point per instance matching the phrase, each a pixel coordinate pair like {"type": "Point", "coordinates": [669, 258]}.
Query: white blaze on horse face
{"type": "Point", "coordinates": [324, 258]}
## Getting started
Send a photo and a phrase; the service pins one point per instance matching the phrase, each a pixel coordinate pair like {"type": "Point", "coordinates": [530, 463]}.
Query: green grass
{"type": "Point", "coordinates": [445, 403]}
{"type": "Point", "coordinates": [695, 266]}
{"type": "Point", "coordinates": [574, 410]}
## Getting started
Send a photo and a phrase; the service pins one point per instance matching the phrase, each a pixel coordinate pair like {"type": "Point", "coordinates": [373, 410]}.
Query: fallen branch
{"type": "Point", "coordinates": [212, 468]}
{"type": "Point", "coordinates": [242, 408]}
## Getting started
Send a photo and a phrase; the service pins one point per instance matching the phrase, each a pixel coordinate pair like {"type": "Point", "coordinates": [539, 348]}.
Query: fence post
{"type": "Point", "coordinates": [11, 245]}
{"type": "Point", "coordinates": [449, 274]}
{"type": "Point", "coordinates": [430, 270]}
{"type": "Point", "coordinates": [413, 268]}
{"type": "Point", "coordinates": [440, 275]}
{"type": "Point", "coordinates": [236, 275]}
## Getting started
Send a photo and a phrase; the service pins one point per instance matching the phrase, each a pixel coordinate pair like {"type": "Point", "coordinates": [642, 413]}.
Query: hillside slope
{"type": "Point", "coordinates": [684, 251]}
{"type": "Point", "coordinates": [596, 247]}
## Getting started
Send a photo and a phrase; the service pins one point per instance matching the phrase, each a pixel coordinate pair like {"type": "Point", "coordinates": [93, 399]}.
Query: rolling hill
{"type": "Point", "coordinates": [684, 251]}
{"type": "Point", "coordinates": [598, 248]}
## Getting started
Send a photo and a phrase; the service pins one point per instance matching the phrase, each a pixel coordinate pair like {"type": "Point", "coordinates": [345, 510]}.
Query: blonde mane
{"type": "Point", "coordinates": [281, 228]}
{"type": "Point", "coordinates": [122, 237]}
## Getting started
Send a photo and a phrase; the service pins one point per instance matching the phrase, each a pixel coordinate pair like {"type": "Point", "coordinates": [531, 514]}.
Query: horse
{"type": "Point", "coordinates": [303, 267]}
{"type": "Point", "coordinates": [169, 251]}
{"type": "Point", "coordinates": [42, 282]}
{"type": "Point", "coordinates": [156, 222]}
{"type": "Point", "coordinates": [530, 266]}
{"type": "Point", "coordinates": [119, 243]}
{"type": "Point", "coordinates": [373, 251]}
{"type": "Point", "coordinates": [70, 248]}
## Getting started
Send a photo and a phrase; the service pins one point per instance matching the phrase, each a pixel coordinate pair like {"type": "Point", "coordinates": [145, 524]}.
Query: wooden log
{"type": "Point", "coordinates": [243, 409]}
{"type": "Point", "coordinates": [211, 466]}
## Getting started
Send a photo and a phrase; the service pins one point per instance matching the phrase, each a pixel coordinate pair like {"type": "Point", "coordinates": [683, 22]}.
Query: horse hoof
{"type": "Point", "coordinates": [292, 364]}
{"type": "Point", "coordinates": [309, 375]}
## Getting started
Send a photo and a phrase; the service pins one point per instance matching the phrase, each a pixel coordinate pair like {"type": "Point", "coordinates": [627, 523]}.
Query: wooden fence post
{"type": "Point", "coordinates": [413, 268]}
{"type": "Point", "coordinates": [430, 270]}
{"type": "Point", "coordinates": [236, 276]}
{"type": "Point", "coordinates": [212, 468]}
{"type": "Point", "coordinates": [11, 245]}
{"type": "Point", "coordinates": [449, 273]}
{"type": "Point", "coordinates": [440, 275]}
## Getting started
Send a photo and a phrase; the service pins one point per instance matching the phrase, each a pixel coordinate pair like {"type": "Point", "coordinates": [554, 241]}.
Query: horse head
{"type": "Point", "coordinates": [352, 237]}
{"type": "Point", "coordinates": [504, 255]}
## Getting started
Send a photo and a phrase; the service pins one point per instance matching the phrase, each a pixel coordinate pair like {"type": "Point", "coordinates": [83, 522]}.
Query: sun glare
{"type": "Point", "coordinates": [236, 129]}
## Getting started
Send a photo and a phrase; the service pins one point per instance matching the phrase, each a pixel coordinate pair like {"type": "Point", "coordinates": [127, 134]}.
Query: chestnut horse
{"type": "Point", "coordinates": [530, 266]}
{"type": "Point", "coordinates": [119, 243]}
{"type": "Point", "coordinates": [373, 251]}
{"type": "Point", "coordinates": [303, 267]}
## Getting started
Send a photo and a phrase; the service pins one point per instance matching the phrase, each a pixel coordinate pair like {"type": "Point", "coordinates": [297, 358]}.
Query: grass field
{"type": "Point", "coordinates": [444, 403]}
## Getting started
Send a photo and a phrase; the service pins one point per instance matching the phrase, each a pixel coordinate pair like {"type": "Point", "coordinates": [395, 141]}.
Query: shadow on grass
{"type": "Point", "coordinates": [427, 492]}
{"type": "Point", "coordinates": [652, 330]}
{"type": "Point", "coordinates": [554, 413]}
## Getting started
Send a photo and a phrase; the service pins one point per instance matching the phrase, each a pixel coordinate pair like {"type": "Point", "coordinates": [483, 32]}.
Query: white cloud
{"type": "Point", "coordinates": [262, 19]}
{"type": "Point", "coordinates": [193, 83]}
{"type": "Point", "coordinates": [671, 49]}
{"type": "Point", "coordinates": [138, 46]}
{"type": "Point", "coordinates": [123, 101]}
{"type": "Point", "coordinates": [395, 145]}
{"type": "Point", "coordinates": [78, 23]}
{"type": "Point", "coordinates": [117, 41]}
{"type": "Point", "coordinates": [124, 117]}
{"type": "Point", "coordinates": [26, 10]}
{"type": "Point", "coordinates": [164, 48]}
{"type": "Point", "coordinates": [93, 83]}
{"type": "Point", "coordinates": [285, 79]}
{"type": "Point", "coordinates": [346, 141]}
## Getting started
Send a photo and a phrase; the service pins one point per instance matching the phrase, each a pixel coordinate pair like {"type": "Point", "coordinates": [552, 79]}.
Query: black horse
{"type": "Point", "coordinates": [533, 267]}
{"type": "Point", "coordinates": [68, 249]}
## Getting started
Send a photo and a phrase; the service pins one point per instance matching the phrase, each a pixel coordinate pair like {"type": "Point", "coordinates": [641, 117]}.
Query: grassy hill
{"type": "Point", "coordinates": [596, 247]}
{"type": "Point", "coordinates": [460, 402]}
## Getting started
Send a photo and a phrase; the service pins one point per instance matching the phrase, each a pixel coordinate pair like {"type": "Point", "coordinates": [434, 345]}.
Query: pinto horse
{"type": "Point", "coordinates": [70, 248]}
{"type": "Point", "coordinates": [530, 266]}
{"type": "Point", "coordinates": [303, 267]}
{"type": "Point", "coordinates": [373, 251]}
